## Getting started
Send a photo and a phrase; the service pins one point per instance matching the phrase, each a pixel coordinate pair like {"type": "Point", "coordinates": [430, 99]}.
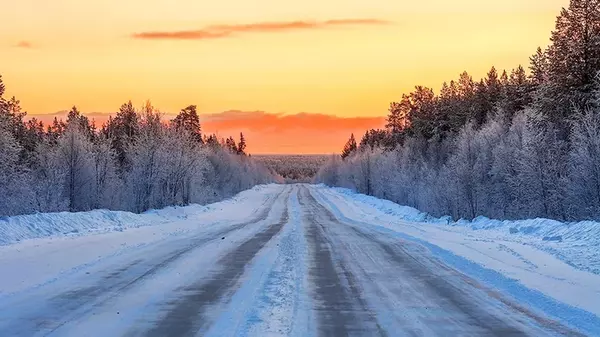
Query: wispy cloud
{"type": "Point", "coordinates": [181, 35]}
{"type": "Point", "coordinates": [24, 44]}
{"type": "Point", "coordinates": [222, 31]}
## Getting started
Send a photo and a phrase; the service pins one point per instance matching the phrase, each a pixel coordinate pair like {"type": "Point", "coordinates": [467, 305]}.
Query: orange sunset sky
{"type": "Point", "coordinates": [294, 76]}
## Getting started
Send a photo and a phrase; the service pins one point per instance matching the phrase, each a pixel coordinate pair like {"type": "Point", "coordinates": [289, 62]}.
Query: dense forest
{"type": "Point", "coordinates": [516, 144]}
{"type": "Point", "coordinates": [135, 161]}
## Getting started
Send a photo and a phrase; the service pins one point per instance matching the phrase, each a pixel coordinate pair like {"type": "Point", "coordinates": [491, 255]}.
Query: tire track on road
{"type": "Point", "coordinates": [67, 306]}
{"type": "Point", "coordinates": [188, 314]}
{"type": "Point", "coordinates": [340, 308]}
{"type": "Point", "coordinates": [420, 268]}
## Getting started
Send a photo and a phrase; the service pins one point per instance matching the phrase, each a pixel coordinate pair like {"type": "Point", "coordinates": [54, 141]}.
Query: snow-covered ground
{"type": "Point", "coordinates": [48, 246]}
{"type": "Point", "coordinates": [575, 243]}
{"type": "Point", "coordinates": [549, 265]}
{"type": "Point", "coordinates": [295, 260]}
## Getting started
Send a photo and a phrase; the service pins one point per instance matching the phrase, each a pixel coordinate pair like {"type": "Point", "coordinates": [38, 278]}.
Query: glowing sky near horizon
{"type": "Point", "coordinates": [346, 58]}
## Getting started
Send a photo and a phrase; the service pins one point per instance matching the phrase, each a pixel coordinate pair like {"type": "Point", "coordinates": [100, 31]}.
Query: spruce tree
{"type": "Point", "coordinates": [188, 120]}
{"type": "Point", "coordinates": [241, 145]}
{"type": "Point", "coordinates": [350, 147]}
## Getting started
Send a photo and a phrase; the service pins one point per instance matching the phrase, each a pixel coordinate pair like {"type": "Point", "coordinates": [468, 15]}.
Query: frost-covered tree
{"type": "Point", "coordinates": [48, 177]}
{"type": "Point", "coordinates": [134, 162]}
{"type": "Point", "coordinates": [105, 180]}
{"type": "Point", "coordinates": [74, 157]}
{"type": "Point", "coordinates": [584, 161]}
{"type": "Point", "coordinates": [462, 165]}
{"type": "Point", "coordinates": [540, 168]}
{"type": "Point", "coordinates": [13, 177]}
{"type": "Point", "coordinates": [144, 157]}
{"type": "Point", "coordinates": [183, 163]}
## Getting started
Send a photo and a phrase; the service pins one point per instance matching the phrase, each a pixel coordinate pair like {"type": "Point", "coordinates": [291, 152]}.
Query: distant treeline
{"type": "Point", "coordinates": [293, 168]}
{"type": "Point", "coordinates": [512, 145]}
{"type": "Point", "coordinates": [134, 162]}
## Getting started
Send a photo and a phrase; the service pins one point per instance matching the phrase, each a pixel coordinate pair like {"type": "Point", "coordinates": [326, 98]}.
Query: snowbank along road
{"type": "Point", "coordinates": [279, 261]}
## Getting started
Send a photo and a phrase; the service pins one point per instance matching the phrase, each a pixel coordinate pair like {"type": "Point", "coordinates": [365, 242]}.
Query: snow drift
{"type": "Point", "coordinates": [23, 227]}
{"type": "Point", "coordinates": [575, 243]}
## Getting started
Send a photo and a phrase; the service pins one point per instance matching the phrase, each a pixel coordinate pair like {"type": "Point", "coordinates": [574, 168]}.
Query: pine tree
{"type": "Point", "coordinates": [574, 54]}
{"type": "Point", "coordinates": [74, 117]}
{"type": "Point", "coordinates": [188, 120]}
{"type": "Point", "coordinates": [231, 145]}
{"type": "Point", "coordinates": [55, 130]}
{"type": "Point", "coordinates": [350, 147]}
{"type": "Point", "coordinates": [573, 60]}
{"type": "Point", "coordinates": [421, 115]}
{"type": "Point", "coordinates": [538, 65]}
{"type": "Point", "coordinates": [124, 128]}
{"type": "Point", "coordinates": [2, 87]}
{"type": "Point", "coordinates": [241, 148]}
{"type": "Point", "coordinates": [74, 153]}
{"type": "Point", "coordinates": [398, 113]}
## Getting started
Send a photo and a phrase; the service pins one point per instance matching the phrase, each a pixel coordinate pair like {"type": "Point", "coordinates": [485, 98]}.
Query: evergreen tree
{"type": "Point", "coordinates": [422, 114]}
{"type": "Point", "coordinates": [55, 130]}
{"type": "Point", "coordinates": [74, 117]}
{"type": "Point", "coordinates": [74, 154]}
{"type": "Point", "coordinates": [573, 60]}
{"type": "Point", "coordinates": [188, 120]}
{"type": "Point", "coordinates": [538, 65]}
{"type": "Point", "coordinates": [350, 147]}
{"type": "Point", "coordinates": [574, 54]}
{"type": "Point", "coordinates": [241, 148]}
{"type": "Point", "coordinates": [231, 145]}
{"type": "Point", "coordinates": [373, 139]}
{"type": "Point", "coordinates": [123, 129]}
{"type": "Point", "coordinates": [397, 116]}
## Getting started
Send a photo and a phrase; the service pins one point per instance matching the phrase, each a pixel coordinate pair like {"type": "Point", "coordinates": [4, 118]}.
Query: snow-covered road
{"type": "Point", "coordinates": [282, 261]}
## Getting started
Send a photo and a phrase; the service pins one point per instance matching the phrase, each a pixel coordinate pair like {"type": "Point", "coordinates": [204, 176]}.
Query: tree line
{"type": "Point", "coordinates": [134, 162]}
{"type": "Point", "coordinates": [512, 145]}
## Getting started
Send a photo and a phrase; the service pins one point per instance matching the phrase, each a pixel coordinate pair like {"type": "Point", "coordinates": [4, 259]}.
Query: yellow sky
{"type": "Point", "coordinates": [83, 52]}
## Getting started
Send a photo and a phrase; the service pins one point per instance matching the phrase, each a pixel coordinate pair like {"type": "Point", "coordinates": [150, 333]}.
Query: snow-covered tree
{"type": "Point", "coordinates": [74, 155]}
{"type": "Point", "coordinates": [584, 163]}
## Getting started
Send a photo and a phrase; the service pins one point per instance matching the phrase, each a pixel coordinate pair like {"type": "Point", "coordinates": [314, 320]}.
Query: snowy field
{"type": "Point", "coordinates": [295, 260]}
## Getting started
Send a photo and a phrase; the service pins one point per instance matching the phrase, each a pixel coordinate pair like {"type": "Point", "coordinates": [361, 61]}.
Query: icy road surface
{"type": "Point", "coordinates": [281, 263]}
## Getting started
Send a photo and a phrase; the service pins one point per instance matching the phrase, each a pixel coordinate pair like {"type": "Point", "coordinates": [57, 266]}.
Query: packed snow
{"type": "Point", "coordinates": [522, 263]}
{"type": "Point", "coordinates": [131, 271]}
{"type": "Point", "coordinates": [47, 254]}
{"type": "Point", "coordinates": [574, 243]}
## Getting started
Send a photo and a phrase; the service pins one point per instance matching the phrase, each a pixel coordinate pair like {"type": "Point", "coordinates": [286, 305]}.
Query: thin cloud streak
{"type": "Point", "coordinates": [181, 35]}
{"type": "Point", "coordinates": [24, 44]}
{"type": "Point", "coordinates": [223, 31]}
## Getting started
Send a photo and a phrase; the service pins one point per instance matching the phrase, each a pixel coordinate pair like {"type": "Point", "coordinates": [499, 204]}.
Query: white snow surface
{"type": "Point", "coordinates": [565, 270]}
{"type": "Point", "coordinates": [23, 227]}
{"type": "Point", "coordinates": [575, 243]}
{"type": "Point", "coordinates": [47, 246]}
{"type": "Point", "coordinates": [45, 254]}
